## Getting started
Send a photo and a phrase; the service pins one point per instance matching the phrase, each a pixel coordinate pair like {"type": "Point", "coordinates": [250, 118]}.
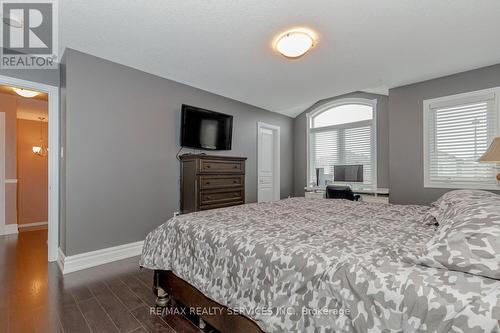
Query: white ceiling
{"type": "Point", "coordinates": [224, 46]}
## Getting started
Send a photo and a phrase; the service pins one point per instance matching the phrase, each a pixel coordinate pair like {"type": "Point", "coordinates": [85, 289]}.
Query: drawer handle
{"type": "Point", "coordinates": [208, 197]}
{"type": "Point", "coordinates": [207, 183]}
{"type": "Point", "coordinates": [207, 166]}
{"type": "Point", "coordinates": [235, 167]}
{"type": "Point", "coordinates": [235, 182]}
{"type": "Point", "coordinates": [236, 195]}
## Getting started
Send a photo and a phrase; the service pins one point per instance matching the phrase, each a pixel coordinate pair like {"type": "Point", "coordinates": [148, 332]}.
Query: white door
{"type": "Point", "coordinates": [268, 163]}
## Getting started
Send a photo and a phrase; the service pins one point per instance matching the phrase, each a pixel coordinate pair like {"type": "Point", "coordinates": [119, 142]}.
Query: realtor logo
{"type": "Point", "coordinates": [29, 34]}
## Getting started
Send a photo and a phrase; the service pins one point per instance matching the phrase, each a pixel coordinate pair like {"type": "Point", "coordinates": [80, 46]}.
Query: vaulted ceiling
{"type": "Point", "coordinates": [224, 46]}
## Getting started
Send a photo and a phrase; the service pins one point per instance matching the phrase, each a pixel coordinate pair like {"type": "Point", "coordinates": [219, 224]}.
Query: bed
{"type": "Point", "coordinates": [319, 265]}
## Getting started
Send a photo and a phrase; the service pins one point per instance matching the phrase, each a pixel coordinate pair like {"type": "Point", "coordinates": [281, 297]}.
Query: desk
{"type": "Point", "coordinates": [379, 195]}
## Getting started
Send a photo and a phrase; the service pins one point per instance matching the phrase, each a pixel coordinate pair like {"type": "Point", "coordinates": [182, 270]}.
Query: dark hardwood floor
{"type": "Point", "coordinates": [35, 297]}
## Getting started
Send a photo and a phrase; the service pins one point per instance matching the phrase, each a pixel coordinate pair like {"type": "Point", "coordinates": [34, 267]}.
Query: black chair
{"type": "Point", "coordinates": [341, 192]}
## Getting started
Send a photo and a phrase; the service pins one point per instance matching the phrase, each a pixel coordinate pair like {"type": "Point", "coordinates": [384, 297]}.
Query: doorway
{"type": "Point", "coordinates": [268, 162]}
{"type": "Point", "coordinates": [29, 172]}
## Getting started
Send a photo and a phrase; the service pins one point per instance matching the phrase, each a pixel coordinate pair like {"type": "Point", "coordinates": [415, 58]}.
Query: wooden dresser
{"type": "Point", "coordinates": [209, 182]}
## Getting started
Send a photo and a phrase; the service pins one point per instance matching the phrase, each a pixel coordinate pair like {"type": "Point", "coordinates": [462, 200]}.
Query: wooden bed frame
{"type": "Point", "coordinates": [167, 287]}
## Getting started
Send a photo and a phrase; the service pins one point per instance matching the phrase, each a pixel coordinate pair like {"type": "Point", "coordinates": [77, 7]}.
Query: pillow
{"type": "Point", "coordinates": [469, 238]}
{"type": "Point", "coordinates": [445, 207]}
{"type": "Point", "coordinates": [430, 218]}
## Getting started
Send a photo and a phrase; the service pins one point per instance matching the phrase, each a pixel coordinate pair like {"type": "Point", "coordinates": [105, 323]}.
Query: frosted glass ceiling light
{"type": "Point", "coordinates": [25, 92]}
{"type": "Point", "coordinates": [294, 43]}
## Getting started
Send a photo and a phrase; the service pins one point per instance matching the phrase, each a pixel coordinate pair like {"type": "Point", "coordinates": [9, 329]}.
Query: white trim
{"type": "Point", "coordinates": [355, 124]}
{"type": "Point", "coordinates": [277, 158]}
{"type": "Point", "coordinates": [455, 186]}
{"type": "Point", "coordinates": [2, 172]}
{"type": "Point", "coordinates": [69, 264]}
{"type": "Point", "coordinates": [326, 106]}
{"type": "Point", "coordinates": [54, 149]}
{"type": "Point", "coordinates": [472, 96]}
{"type": "Point", "coordinates": [428, 105]}
{"type": "Point", "coordinates": [339, 102]}
{"type": "Point", "coordinates": [9, 229]}
{"type": "Point", "coordinates": [31, 225]}
{"type": "Point", "coordinates": [10, 181]}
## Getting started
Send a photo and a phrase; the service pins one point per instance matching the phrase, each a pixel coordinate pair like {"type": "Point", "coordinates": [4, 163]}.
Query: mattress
{"type": "Point", "coordinates": [319, 265]}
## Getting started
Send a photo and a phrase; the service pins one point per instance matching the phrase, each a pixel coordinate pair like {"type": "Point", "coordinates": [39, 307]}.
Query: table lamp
{"type": "Point", "coordinates": [492, 155]}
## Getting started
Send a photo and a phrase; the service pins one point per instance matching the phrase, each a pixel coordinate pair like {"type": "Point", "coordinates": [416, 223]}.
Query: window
{"type": "Point", "coordinates": [342, 133]}
{"type": "Point", "coordinates": [457, 131]}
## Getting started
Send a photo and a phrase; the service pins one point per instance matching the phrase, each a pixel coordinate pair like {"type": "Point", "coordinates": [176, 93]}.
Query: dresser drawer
{"type": "Point", "coordinates": [213, 182]}
{"type": "Point", "coordinates": [208, 198]}
{"type": "Point", "coordinates": [221, 166]}
{"type": "Point", "coordinates": [222, 205]}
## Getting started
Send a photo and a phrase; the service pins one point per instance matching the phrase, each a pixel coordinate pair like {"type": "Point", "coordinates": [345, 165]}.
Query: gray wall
{"type": "Point", "coordinates": [406, 131]}
{"type": "Point", "coordinates": [299, 143]}
{"type": "Point", "coordinates": [120, 142]}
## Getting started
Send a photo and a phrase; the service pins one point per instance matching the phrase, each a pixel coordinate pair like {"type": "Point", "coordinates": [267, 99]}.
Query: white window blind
{"type": "Point", "coordinates": [459, 130]}
{"type": "Point", "coordinates": [343, 135]}
{"type": "Point", "coordinates": [325, 150]}
{"type": "Point", "coordinates": [358, 149]}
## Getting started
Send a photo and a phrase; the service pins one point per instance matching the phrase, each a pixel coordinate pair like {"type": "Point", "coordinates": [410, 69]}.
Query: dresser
{"type": "Point", "coordinates": [209, 181]}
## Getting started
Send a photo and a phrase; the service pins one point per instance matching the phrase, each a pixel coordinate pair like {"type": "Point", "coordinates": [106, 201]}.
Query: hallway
{"type": "Point", "coordinates": [35, 297]}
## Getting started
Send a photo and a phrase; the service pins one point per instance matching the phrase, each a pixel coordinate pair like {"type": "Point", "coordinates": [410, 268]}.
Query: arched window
{"type": "Point", "coordinates": [342, 143]}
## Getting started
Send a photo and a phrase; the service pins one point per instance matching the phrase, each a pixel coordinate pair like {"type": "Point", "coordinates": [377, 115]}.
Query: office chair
{"type": "Point", "coordinates": [341, 192]}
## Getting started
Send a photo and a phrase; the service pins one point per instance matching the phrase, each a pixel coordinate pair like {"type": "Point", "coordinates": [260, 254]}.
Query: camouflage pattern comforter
{"type": "Point", "coordinates": [312, 265]}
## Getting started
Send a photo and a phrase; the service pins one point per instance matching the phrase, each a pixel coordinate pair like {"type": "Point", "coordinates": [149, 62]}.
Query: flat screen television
{"type": "Point", "coordinates": [204, 129]}
{"type": "Point", "coordinates": [348, 173]}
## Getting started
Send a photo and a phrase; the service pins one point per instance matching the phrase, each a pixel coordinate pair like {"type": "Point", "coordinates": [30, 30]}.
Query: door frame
{"type": "Point", "coordinates": [2, 174]}
{"type": "Point", "coordinates": [53, 159]}
{"type": "Point", "coordinates": [276, 164]}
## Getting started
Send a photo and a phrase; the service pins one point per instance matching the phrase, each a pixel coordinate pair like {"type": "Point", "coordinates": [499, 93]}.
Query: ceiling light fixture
{"type": "Point", "coordinates": [25, 92]}
{"type": "Point", "coordinates": [295, 43]}
{"type": "Point", "coordinates": [40, 150]}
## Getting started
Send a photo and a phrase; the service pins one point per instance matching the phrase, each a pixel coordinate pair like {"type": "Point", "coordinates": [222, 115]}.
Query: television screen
{"type": "Point", "coordinates": [204, 129]}
{"type": "Point", "coordinates": [348, 173]}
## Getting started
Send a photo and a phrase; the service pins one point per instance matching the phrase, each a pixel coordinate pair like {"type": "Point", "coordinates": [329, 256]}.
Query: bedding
{"type": "Point", "coordinates": [469, 237]}
{"type": "Point", "coordinates": [451, 202]}
{"type": "Point", "coordinates": [313, 265]}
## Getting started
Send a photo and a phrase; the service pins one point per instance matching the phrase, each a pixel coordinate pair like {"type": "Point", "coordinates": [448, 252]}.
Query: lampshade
{"type": "Point", "coordinates": [492, 155]}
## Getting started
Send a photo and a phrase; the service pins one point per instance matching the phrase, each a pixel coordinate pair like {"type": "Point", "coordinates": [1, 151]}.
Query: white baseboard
{"type": "Point", "coordinates": [69, 264]}
{"type": "Point", "coordinates": [8, 229]}
{"type": "Point", "coordinates": [29, 225]}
